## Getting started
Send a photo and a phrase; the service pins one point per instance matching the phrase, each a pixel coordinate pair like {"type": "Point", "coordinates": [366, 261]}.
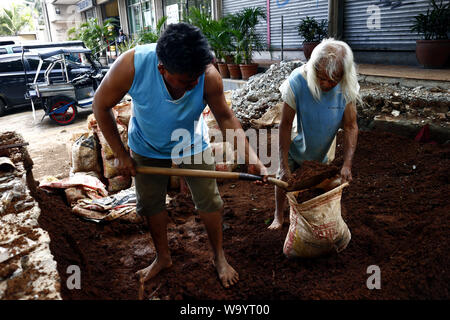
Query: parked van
{"type": "Point", "coordinates": [19, 68]}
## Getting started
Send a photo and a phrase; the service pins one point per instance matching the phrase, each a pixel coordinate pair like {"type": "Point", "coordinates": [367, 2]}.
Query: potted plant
{"type": "Point", "coordinates": [233, 66]}
{"type": "Point", "coordinates": [433, 51]}
{"type": "Point", "coordinates": [246, 39]}
{"type": "Point", "coordinates": [312, 32]}
{"type": "Point", "coordinates": [220, 38]}
{"type": "Point", "coordinates": [218, 34]}
{"type": "Point", "coordinates": [250, 40]}
{"type": "Point", "coordinates": [96, 36]}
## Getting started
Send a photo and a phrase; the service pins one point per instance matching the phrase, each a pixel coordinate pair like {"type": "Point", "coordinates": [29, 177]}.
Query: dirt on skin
{"type": "Point", "coordinates": [396, 207]}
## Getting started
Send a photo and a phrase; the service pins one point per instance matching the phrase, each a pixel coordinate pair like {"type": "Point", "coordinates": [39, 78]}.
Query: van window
{"type": "Point", "coordinates": [34, 63]}
{"type": "Point", "coordinates": [3, 51]}
{"type": "Point", "coordinates": [17, 49]}
{"type": "Point", "coordinates": [11, 66]}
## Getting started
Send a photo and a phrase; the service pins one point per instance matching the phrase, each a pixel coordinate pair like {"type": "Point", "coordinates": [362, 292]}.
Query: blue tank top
{"type": "Point", "coordinates": [161, 127]}
{"type": "Point", "coordinates": [317, 121]}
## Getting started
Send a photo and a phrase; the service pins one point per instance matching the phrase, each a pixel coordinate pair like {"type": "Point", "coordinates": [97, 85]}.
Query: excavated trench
{"type": "Point", "coordinates": [396, 208]}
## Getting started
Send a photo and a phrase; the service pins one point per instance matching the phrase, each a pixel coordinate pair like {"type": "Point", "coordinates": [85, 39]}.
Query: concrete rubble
{"type": "Point", "coordinates": [261, 92]}
{"type": "Point", "coordinates": [27, 268]}
{"type": "Point", "coordinates": [420, 105]}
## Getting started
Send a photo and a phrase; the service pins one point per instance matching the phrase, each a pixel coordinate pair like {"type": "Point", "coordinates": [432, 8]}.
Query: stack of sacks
{"type": "Point", "coordinates": [91, 153]}
{"type": "Point", "coordinates": [122, 114]}
{"type": "Point", "coordinates": [85, 154]}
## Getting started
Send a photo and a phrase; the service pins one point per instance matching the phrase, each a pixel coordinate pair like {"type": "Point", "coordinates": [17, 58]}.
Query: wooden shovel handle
{"type": "Point", "coordinates": [208, 174]}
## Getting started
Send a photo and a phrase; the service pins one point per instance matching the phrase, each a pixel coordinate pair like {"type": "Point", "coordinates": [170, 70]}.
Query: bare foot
{"type": "Point", "coordinates": [153, 269]}
{"type": "Point", "coordinates": [227, 275]}
{"type": "Point", "coordinates": [276, 224]}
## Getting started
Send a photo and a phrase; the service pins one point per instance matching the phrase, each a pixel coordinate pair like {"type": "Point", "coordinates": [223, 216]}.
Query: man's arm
{"type": "Point", "coordinates": [112, 89]}
{"type": "Point", "coordinates": [287, 116]}
{"type": "Point", "coordinates": [350, 126]}
{"type": "Point", "coordinates": [225, 118]}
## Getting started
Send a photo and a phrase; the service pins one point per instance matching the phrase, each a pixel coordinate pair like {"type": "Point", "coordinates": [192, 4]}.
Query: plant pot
{"type": "Point", "coordinates": [223, 70]}
{"type": "Point", "coordinates": [248, 70]}
{"type": "Point", "coordinates": [229, 59]}
{"type": "Point", "coordinates": [308, 48]}
{"type": "Point", "coordinates": [433, 53]}
{"type": "Point", "coordinates": [235, 71]}
{"type": "Point", "coordinates": [216, 65]}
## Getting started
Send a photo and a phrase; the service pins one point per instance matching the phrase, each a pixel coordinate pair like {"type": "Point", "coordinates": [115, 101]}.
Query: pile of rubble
{"type": "Point", "coordinates": [261, 92]}
{"type": "Point", "coordinates": [431, 105]}
{"type": "Point", "coordinates": [27, 268]}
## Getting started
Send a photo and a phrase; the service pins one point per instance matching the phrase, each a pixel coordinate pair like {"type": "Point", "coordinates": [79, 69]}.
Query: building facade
{"type": "Point", "coordinates": [377, 30]}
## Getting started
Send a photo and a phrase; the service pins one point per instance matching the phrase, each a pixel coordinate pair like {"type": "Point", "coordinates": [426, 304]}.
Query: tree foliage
{"type": "Point", "coordinates": [15, 20]}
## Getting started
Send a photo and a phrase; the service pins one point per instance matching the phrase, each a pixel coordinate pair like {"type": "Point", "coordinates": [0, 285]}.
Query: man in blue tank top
{"type": "Point", "coordinates": [171, 83]}
{"type": "Point", "coordinates": [322, 94]}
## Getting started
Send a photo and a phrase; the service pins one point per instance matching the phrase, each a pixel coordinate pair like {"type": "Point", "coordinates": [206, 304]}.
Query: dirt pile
{"type": "Point", "coordinates": [395, 208]}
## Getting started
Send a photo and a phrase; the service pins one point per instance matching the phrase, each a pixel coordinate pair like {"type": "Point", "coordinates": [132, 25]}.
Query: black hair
{"type": "Point", "coordinates": [183, 48]}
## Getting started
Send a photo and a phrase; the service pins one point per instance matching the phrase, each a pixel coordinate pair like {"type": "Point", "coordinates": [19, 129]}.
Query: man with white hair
{"type": "Point", "coordinates": [322, 95]}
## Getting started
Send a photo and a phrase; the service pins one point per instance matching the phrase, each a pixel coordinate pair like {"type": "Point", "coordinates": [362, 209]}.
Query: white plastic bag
{"type": "Point", "coordinates": [316, 226]}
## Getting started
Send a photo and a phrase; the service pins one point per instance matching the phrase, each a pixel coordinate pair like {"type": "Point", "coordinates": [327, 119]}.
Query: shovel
{"type": "Point", "coordinates": [209, 174]}
{"type": "Point", "coordinates": [303, 184]}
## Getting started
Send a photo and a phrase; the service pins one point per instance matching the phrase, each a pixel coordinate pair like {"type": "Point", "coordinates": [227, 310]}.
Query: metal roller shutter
{"type": "Point", "coordinates": [381, 24]}
{"type": "Point", "coordinates": [293, 11]}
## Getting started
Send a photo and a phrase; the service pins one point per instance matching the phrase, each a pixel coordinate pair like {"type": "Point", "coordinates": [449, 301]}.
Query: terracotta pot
{"type": "Point", "coordinates": [235, 71]}
{"type": "Point", "coordinates": [229, 59]}
{"type": "Point", "coordinates": [308, 48]}
{"type": "Point", "coordinates": [248, 70]}
{"type": "Point", "coordinates": [433, 53]}
{"type": "Point", "coordinates": [223, 70]}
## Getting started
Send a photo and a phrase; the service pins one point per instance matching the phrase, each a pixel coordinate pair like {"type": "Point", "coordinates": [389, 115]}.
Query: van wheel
{"type": "Point", "coordinates": [63, 116]}
{"type": "Point", "coordinates": [2, 108]}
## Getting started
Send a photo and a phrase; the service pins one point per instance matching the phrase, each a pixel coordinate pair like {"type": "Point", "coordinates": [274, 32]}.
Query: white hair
{"type": "Point", "coordinates": [335, 57]}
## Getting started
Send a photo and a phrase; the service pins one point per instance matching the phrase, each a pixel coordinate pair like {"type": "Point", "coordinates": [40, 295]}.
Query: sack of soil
{"type": "Point", "coordinates": [108, 159]}
{"type": "Point", "coordinates": [122, 113]}
{"type": "Point", "coordinates": [316, 226]}
{"type": "Point", "coordinates": [85, 154]}
{"type": "Point", "coordinates": [119, 183]}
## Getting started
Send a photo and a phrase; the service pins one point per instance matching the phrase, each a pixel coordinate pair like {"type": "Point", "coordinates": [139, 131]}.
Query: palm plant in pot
{"type": "Point", "coordinates": [247, 39]}
{"type": "Point", "coordinates": [220, 39]}
{"type": "Point", "coordinates": [313, 32]}
{"type": "Point", "coordinates": [218, 34]}
{"type": "Point", "coordinates": [433, 51]}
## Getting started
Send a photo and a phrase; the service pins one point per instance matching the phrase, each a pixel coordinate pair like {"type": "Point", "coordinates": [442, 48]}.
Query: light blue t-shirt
{"type": "Point", "coordinates": [317, 121]}
{"type": "Point", "coordinates": [158, 119]}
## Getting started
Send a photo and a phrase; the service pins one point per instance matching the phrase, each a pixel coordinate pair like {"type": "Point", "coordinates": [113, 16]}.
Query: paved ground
{"type": "Point", "coordinates": [48, 141]}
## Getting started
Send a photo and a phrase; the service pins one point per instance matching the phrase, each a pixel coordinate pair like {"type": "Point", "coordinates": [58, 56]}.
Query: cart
{"type": "Point", "coordinates": [65, 85]}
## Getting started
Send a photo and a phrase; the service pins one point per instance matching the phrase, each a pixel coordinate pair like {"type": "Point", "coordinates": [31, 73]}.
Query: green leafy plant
{"type": "Point", "coordinates": [148, 35]}
{"type": "Point", "coordinates": [218, 32]}
{"type": "Point", "coordinates": [94, 35]}
{"type": "Point", "coordinates": [15, 20]}
{"type": "Point", "coordinates": [246, 38]}
{"type": "Point", "coordinates": [126, 45]}
{"type": "Point", "coordinates": [435, 23]}
{"type": "Point", "coordinates": [312, 30]}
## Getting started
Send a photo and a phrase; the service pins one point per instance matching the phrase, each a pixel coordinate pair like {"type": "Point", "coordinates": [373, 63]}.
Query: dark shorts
{"type": "Point", "coordinates": [151, 190]}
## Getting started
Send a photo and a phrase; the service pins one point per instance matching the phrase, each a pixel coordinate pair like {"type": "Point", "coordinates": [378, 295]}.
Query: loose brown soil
{"type": "Point", "coordinates": [397, 209]}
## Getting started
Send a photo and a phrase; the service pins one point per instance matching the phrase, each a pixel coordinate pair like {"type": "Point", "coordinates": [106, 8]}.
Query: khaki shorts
{"type": "Point", "coordinates": [151, 189]}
